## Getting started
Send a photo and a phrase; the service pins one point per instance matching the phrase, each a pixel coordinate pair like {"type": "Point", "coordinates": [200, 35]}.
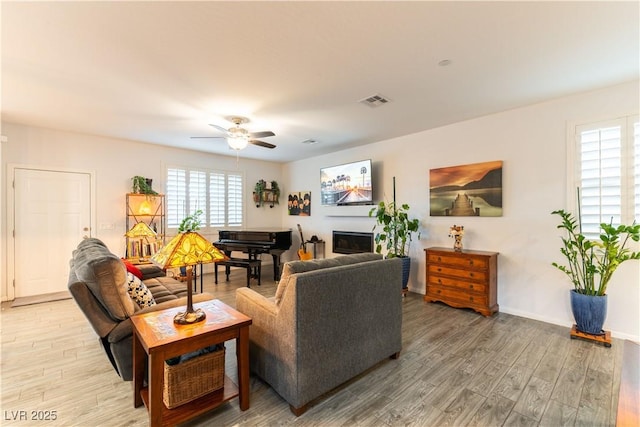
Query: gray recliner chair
{"type": "Point", "coordinates": [98, 284]}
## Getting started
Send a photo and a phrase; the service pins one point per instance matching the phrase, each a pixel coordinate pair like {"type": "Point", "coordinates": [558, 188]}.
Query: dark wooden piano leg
{"type": "Point", "coordinates": [259, 272]}
{"type": "Point", "coordinates": [276, 267]}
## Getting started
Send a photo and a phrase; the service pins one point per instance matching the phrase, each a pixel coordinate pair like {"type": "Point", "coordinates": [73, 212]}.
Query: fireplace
{"type": "Point", "coordinates": [352, 242]}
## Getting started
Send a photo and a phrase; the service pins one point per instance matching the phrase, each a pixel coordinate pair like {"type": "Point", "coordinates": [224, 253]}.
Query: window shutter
{"type": "Point", "coordinates": [216, 199]}
{"type": "Point", "coordinates": [234, 199]}
{"type": "Point", "coordinates": [176, 196]}
{"type": "Point", "coordinates": [601, 178]}
{"type": "Point", "coordinates": [217, 193]}
{"type": "Point", "coordinates": [636, 168]}
{"type": "Point", "coordinates": [197, 191]}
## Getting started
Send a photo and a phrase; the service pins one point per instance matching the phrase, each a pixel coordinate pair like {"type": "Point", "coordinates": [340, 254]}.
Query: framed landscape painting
{"type": "Point", "coordinates": [467, 190]}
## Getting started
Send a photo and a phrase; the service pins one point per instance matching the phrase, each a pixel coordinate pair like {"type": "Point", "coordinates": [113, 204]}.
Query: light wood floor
{"type": "Point", "coordinates": [456, 368]}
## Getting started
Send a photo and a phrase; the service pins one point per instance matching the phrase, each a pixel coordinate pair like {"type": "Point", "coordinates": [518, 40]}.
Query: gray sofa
{"type": "Point", "coordinates": [97, 282]}
{"type": "Point", "coordinates": [329, 321]}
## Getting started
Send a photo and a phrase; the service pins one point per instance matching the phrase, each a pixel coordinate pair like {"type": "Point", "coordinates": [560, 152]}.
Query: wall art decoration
{"type": "Point", "coordinates": [299, 203]}
{"type": "Point", "coordinates": [467, 190]}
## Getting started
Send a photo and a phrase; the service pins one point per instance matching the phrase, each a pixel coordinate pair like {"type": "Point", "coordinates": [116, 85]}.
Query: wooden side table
{"type": "Point", "coordinates": [157, 338]}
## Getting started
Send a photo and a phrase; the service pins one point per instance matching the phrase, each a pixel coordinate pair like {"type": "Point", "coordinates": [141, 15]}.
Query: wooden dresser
{"type": "Point", "coordinates": [466, 279]}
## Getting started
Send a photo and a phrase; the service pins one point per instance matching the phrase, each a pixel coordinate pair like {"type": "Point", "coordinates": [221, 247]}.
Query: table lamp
{"type": "Point", "coordinates": [187, 250]}
{"type": "Point", "coordinates": [143, 231]}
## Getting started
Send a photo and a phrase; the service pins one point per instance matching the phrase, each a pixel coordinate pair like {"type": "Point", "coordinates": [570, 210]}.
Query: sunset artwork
{"type": "Point", "coordinates": [468, 190]}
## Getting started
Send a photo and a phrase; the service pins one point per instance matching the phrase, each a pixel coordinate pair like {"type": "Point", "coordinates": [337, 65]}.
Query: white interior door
{"type": "Point", "coordinates": [52, 214]}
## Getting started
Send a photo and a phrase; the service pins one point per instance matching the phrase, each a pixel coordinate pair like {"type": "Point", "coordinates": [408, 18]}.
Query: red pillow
{"type": "Point", "coordinates": [132, 269]}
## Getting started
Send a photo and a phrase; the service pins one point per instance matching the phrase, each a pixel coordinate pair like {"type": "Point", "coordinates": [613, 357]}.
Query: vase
{"type": "Point", "coordinates": [589, 312]}
{"type": "Point", "coordinates": [457, 243]}
{"type": "Point", "coordinates": [406, 269]}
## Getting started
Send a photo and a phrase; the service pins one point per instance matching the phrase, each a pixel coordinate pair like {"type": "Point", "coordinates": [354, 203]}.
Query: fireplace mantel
{"type": "Point", "coordinates": [355, 210]}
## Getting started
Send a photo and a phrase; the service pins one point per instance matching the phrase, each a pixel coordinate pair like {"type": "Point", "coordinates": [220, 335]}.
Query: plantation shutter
{"type": "Point", "coordinates": [176, 196]}
{"type": "Point", "coordinates": [217, 195]}
{"type": "Point", "coordinates": [601, 177]}
{"type": "Point", "coordinates": [636, 168]}
{"type": "Point", "coordinates": [234, 200]}
{"type": "Point", "coordinates": [197, 191]}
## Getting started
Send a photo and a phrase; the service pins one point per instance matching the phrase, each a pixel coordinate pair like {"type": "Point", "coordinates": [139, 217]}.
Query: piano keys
{"type": "Point", "coordinates": [254, 242]}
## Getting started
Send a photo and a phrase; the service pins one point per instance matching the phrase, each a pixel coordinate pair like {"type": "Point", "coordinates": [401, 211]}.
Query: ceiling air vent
{"type": "Point", "coordinates": [374, 101]}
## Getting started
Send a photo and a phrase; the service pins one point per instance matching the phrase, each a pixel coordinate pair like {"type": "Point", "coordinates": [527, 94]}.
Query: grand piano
{"type": "Point", "coordinates": [255, 242]}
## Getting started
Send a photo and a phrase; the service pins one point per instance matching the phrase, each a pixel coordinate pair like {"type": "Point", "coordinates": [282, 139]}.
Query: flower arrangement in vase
{"type": "Point", "coordinates": [457, 231]}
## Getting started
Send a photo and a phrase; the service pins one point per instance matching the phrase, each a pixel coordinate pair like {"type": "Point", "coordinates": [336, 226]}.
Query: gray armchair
{"type": "Point", "coordinates": [97, 282]}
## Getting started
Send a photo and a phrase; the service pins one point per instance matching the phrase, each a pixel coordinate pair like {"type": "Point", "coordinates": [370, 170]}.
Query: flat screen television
{"type": "Point", "coordinates": [347, 184]}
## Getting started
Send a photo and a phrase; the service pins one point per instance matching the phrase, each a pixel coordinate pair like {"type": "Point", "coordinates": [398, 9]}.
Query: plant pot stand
{"type": "Point", "coordinates": [605, 338]}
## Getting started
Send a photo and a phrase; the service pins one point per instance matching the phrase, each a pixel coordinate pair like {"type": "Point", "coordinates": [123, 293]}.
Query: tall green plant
{"type": "Point", "coordinates": [591, 263]}
{"type": "Point", "coordinates": [397, 228]}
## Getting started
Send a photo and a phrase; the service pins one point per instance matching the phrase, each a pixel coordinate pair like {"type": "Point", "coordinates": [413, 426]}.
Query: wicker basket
{"type": "Point", "coordinates": [193, 378]}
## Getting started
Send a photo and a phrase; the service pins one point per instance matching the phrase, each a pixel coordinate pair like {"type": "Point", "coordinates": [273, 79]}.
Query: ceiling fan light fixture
{"type": "Point", "coordinates": [238, 142]}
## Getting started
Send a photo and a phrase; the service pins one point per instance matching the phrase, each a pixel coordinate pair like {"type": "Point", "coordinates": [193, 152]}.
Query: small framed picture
{"type": "Point", "coordinates": [299, 203]}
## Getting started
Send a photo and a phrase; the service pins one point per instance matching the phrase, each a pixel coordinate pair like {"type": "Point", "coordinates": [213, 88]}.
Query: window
{"type": "Point", "coordinates": [607, 173]}
{"type": "Point", "coordinates": [218, 194]}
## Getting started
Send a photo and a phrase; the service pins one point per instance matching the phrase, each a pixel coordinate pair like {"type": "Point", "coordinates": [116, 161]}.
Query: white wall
{"type": "Point", "coordinates": [532, 143]}
{"type": "Point", "coordinates": [114, 162]}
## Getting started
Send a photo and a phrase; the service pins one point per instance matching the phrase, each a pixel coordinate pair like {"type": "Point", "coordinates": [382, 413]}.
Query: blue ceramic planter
{"type": "Point", "coordinates": [406, 268]}
{"type": "Point", "coordinates": [589, 312]}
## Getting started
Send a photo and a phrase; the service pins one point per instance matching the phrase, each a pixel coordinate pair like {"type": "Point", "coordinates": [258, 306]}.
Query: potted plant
{"type": "Point", "coordinates": [276, 193]}
{"type": "Point", "coordinates": [257, 192]}
{"type": "Point", "coordinates": [189, 223]}
{"type": "Point", "coordinates": [590, 266]}
{"type": "Point", "coordinates": [142, 185]}
{"type": "Point", "coordinates": [397, 232]}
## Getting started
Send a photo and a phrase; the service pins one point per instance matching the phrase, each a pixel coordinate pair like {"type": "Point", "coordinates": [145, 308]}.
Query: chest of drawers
{"type": "Point", "coordinates": [466, 279]}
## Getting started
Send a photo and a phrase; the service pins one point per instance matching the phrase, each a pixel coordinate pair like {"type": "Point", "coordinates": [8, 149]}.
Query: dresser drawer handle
{"type": "Point", "coordinates": [438, 291]}
{"type": "Point", "coordinates": [439, 269]}
{"type": "Point", "coordinates": [470, 262]}
{"type": "Point", "coordinates": [471, 299]}
{"type": "Point", "coordinates": [439, 280]}
{"type": "Point", "coordinates": [470, 286]}
{"type": "Point", "coordinates": [439, 259]}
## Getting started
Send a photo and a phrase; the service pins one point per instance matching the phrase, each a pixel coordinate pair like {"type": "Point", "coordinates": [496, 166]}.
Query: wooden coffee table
{"type": "Point", "coordinates": [157, 338]}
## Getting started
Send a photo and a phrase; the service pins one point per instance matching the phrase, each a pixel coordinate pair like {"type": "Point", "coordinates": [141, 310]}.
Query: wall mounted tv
{"type": "Point", "coordinates": [347, 184]}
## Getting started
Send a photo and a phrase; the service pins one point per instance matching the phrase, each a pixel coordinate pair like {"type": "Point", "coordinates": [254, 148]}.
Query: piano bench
{"type": "Point", "coordinates": [249, 264]}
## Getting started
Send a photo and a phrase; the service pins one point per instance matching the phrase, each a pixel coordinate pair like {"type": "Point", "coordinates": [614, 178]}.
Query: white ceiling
{"type": "Point", "coordinates": [159, 72]}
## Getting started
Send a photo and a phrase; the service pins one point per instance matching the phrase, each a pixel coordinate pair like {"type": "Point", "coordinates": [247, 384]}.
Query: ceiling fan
{"type": "Point", "coordinates": [237, 137]}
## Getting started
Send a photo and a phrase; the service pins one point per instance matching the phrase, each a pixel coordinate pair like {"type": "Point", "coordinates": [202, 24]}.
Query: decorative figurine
{"type": "Point", "coordinates": [457, 231]}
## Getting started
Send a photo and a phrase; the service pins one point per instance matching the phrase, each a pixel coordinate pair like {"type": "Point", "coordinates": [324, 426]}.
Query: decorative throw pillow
{"type": "Point", "coordinates": [132, 269]}
{"type": "Point", "coordinates": [139, 292]}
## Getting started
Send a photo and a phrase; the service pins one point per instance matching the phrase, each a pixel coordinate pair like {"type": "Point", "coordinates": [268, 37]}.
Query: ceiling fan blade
{"type": "Point", "coordinates": [261, 143]}
{"type": "Point", "coordinates": [263, 134]}
{"type": "Point", "coordinates": [220, 128]}
{"type": "Point", "coordinates": [207, 137]}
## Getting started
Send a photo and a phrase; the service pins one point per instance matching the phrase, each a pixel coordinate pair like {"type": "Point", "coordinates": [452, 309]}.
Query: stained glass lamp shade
{"type": "Point", "coordinates": [142, 231]}
{"type": "Point", "coordinates": [187, 250]}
